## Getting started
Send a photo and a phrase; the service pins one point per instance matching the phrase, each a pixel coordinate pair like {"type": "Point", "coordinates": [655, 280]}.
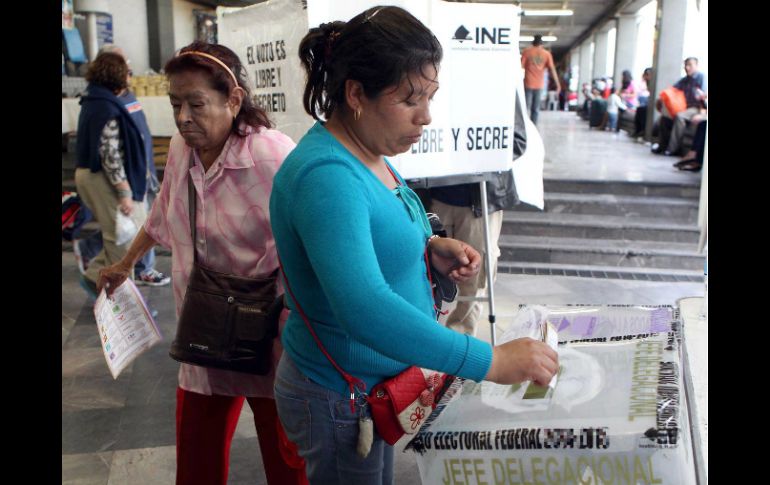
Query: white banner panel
{"type": "Point", "coordinates": [266, 37]}
{"type": "Point", "coordinates": [477, 95]}
{"type": "Point", "coordinates": [473, 111]}
{"type": "Point", "coordinates": [528, 168]}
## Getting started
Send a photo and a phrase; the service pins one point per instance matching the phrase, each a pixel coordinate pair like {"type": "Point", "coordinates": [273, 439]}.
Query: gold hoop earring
{"type": "Point", "coordinates": [357, 114]}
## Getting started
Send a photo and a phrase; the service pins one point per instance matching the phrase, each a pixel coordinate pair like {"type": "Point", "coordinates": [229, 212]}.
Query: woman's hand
{"type": "Point", "coordinates": [523, 359]}
{"type": "Point", "coordinates": [110, 277]}
{"type": "Point", "coordinates": [454, 259]}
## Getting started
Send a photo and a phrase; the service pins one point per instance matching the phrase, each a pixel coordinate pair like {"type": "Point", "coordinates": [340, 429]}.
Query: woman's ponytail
{"type": "Point", "coordinates": [315, 53]}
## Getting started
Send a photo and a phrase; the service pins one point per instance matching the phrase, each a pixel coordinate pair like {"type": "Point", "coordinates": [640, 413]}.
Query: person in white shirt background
{"type": "Point", "coordinates": [614, 103]}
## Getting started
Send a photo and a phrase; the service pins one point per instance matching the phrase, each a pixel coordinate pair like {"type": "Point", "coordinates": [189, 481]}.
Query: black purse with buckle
{"type": "Point", "coordinates": [227, 321]}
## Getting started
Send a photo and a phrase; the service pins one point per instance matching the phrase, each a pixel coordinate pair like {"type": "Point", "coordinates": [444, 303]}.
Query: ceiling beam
{"type": "Point", "coordinates": [608, 14]}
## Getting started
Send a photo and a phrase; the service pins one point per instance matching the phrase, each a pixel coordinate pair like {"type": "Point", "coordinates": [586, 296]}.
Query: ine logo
{"type": "Point", "coordinates": [496, 35]}
{"type": "Point", "coordinates": [461, 34]}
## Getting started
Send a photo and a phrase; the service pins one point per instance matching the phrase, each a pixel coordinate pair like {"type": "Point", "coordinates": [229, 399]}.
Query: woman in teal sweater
{"type": "Point", "coordinates": [352, 238]}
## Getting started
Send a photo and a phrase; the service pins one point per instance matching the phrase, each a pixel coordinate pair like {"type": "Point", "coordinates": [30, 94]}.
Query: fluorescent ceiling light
{"type": "Point", "coordinates": [530, 38]}
{"type": "Point", "coordinates": [547, 13]}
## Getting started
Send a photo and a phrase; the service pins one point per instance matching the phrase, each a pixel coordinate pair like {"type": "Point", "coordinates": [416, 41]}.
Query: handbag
{"type": "Point", "coordinates": [226, 321]}
{"type": "Point", "coordinates": [399, 405]}
{"type": "Point", "coordinates": [674, 100]}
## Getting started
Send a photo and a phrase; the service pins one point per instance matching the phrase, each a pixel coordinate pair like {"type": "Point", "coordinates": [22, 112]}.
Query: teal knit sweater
{"type": "Point", "coordinates": [355, 261]}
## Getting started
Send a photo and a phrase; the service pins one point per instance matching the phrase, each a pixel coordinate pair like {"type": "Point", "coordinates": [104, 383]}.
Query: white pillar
{"type": "Point", "coordinates": [586, 67]}
{"type": "Point", "coordinates": [89, 9]}
{"type": "Point", "coordinates": [645, 38]}
{"type": "Point", "coordinates": [574, 68]}
{"type": "Point", "coordinates": [600, 54]}
{"type": "Point", "coordinates": [92, 41]}
{"type": "Point", "coordinates": [669, 62]}
{"type": "Point", "coordinates": [696, 33]}
{"type": "Point", "coordinates": [625, 48]}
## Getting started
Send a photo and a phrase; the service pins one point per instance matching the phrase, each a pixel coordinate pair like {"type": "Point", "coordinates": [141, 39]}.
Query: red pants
{"type": "Point", "coordinates": [204, 431]}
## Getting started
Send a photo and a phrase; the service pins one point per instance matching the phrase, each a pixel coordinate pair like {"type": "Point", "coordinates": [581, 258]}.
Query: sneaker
{"type": "Point", "coordinates": [153, 278]}
{"type": "Point", "coordinates": [79, 258]}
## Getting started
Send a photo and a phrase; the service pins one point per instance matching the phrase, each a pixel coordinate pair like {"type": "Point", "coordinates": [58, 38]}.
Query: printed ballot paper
{"type": "Point", "coordinates": [125, 326]}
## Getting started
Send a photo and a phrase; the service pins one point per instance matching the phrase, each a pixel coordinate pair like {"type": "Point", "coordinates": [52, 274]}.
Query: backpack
{"type": "Point", "coordinates": [74, 214]}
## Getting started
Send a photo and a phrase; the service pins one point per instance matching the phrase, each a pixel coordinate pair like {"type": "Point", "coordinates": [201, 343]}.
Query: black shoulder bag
{"type": "Point", "coordinates": [227, 321]}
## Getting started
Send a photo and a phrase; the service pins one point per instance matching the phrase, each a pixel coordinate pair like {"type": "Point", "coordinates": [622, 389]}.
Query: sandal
{"type": "Point", "coordinates": [690, 166]}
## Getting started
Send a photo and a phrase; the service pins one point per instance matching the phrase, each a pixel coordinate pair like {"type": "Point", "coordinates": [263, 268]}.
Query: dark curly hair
{"type": "Point", "coordinates": [378, 48]}
{"type": "Point", "coordinates": [109, 70]}
{"type": "Point", "coordinates": [221, 80]}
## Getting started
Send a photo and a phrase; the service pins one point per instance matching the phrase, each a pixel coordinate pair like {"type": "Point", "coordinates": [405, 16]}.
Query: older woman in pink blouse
{"type": "Point", "coordinates": [235, 156]}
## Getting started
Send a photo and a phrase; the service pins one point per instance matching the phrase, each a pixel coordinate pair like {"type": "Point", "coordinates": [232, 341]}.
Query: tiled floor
{"type": "Point", "coordinates": [121, 431]}
{"type": "Point", "coordinates": [575, 152]}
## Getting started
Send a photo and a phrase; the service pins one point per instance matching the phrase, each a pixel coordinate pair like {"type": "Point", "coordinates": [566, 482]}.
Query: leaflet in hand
{"type": "Point", "coordinates": [125, 326]}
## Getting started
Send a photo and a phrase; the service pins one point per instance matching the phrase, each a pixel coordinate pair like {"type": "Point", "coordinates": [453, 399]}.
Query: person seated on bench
{"type": "Point", "coordinates": [693, 161]}
{"type": "Point", "coordinates": [629, 90]}
{"type": "Point", "coordinates": [694, 87]}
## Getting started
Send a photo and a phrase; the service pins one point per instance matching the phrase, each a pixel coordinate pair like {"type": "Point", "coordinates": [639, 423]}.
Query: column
{"type": "Point", "coordinates": [625, 48]}
{"type": "Point", "coordinates": [586, 67]}
{"type": "Point", "coordinates": [160, 29]}
{"type": "Point", "coordinates": [600, 54]}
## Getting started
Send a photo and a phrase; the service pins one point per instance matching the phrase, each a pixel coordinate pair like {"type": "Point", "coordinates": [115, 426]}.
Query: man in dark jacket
{"type": "Point", "coordinates": [459, 208]}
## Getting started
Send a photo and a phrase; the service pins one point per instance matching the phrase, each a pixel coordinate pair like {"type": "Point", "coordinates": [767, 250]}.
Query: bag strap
{"type": "Point", "coordinates": [427, 259]}
{"type": "Point", "coordinates": [353, 382]}
{"type": "Point", "coordinates": [191, 205]}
